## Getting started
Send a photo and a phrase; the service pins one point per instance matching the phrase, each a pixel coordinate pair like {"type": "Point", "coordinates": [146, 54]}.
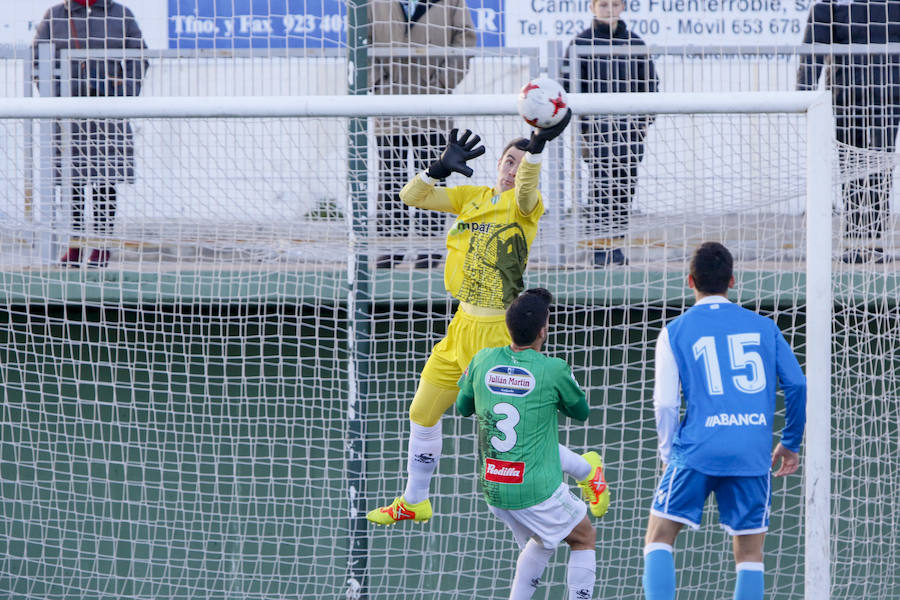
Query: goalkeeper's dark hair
{"type": "Point", "coordinates": [520, 143]}
{"type": "Point", "coordinates": [712, 267]}
{"type": "Point", "coordinates": [527, 314]}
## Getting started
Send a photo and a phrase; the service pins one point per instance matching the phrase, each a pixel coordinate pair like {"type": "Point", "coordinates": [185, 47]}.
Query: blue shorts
{"type": "Point", "coordinates": [744, 502]}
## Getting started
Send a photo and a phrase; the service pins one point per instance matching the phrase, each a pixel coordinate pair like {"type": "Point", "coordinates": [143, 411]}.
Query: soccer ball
{"type": "Point", "coordinates": [542, 102]}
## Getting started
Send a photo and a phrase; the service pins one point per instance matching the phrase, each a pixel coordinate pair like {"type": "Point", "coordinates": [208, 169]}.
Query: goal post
{"type": "Point", "coordinates": [819, 308]}
{"type": "Point", "coordinates": [241, 373]}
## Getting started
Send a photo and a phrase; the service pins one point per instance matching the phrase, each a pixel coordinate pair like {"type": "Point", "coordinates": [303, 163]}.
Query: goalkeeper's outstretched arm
{"type": "Point", "coordinates": [421, 192]}
{"type": "Point", "coordinates": [527, 183]}
{"type": "Point", "coordinates": [530, 168]}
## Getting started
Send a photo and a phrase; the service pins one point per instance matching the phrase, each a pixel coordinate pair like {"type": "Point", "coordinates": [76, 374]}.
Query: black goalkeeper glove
{"type": "Point", "coordinates": [539, 136]}
{"type": "Point", "coordinates": [455, 155]}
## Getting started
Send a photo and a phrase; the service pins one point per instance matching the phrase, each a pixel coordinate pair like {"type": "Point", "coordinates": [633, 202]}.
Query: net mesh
{"type": "Point", "coordinates": [176, 425]}
{"type": "Point", "coordinates": [183, 423]}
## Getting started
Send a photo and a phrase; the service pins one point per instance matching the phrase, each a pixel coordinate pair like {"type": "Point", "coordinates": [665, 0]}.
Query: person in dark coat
{"type": "Point", "coordinates": [443, 28]}
{"type": "Point", "coordinates": [865, 88]}
{"type": "Point", "coordinates": [612, 146]}
{"type": "Point", "coordinates": [102, 151]}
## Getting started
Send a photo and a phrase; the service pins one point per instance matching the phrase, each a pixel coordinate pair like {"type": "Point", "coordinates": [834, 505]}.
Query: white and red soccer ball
{"type": "Point", "coordinates": [542, 102]}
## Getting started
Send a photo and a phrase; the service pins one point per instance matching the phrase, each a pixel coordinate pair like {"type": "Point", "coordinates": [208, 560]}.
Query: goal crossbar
{"type": "Point", "coordinates": [400, 105]}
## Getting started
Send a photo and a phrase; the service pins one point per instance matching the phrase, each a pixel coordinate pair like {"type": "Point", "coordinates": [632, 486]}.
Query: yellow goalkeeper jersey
{"type": "Point", "coordinates": [489, 241]}
{"type": "Point", "coordinates": [488, 246]}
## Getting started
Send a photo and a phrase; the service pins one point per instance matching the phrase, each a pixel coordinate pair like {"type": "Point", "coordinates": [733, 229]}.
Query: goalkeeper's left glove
{"type": "Point", "coordinates": [455, 155]}
{"type": "Point", "coordinates": [541, 136]}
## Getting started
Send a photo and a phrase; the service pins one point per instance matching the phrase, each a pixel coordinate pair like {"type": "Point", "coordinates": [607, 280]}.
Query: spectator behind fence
{"type": "Point", "coordinates": [102, 151]}
{"type": "Point", "coordinates": [426, 28]}
{"type": "Point", "coordinates": [865, 88]}
{"type": "Point", "coordinates": [612, 146]}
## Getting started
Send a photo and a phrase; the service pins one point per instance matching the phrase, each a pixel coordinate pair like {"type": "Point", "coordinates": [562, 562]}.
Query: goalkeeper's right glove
{"type": "Point", "coordinates": [455, 155]}
{"type": "Point", "coordinates": [540, 136]}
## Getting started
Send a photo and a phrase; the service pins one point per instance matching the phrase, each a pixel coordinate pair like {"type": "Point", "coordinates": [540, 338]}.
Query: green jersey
{"type": "Point", "coordinates": [516, 396]}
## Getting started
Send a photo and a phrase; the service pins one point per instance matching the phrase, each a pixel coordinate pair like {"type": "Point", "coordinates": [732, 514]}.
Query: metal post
{"type": "Point", "coordinates": [819, 307]}
{"type": "Point", "coordinates": [66, 162]}
{"type": "Point", "coordinates": [28, 143]}
{"type": "Point", "coordinates": [556, 187]}
{"type": "Point", "coordinates": [46, 217]}
{"type": "Point", "coordinates": [359, 305]}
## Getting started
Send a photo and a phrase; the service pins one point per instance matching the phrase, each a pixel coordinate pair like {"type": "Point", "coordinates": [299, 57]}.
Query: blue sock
{"type": "Point", "coordinates": [659, 572]}
{"type": "Point", "coordinates": [750, 581]}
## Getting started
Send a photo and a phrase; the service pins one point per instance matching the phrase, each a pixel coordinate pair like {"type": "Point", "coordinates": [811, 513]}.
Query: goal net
{"type": "Point", "coordinates": [212, 414]}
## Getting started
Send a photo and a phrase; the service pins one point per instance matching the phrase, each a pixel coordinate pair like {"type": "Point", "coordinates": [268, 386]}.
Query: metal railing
{"type": "Point", "coordinates": [291, 72]}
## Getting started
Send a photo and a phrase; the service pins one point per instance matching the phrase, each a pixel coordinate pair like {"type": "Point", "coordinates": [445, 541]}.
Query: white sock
{"type": "Point", "coordinates": [573, 464]}
{"type": "Point", "coordinates": [423, 455]}
{"type": "Point", "coordinates": [581, 574]}
{"type": "Point", "coordinates": [531, 564]}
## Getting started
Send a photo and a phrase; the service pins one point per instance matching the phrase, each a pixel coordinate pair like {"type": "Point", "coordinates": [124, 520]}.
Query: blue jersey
{"type": "Point", "coordinates": [729, 360]}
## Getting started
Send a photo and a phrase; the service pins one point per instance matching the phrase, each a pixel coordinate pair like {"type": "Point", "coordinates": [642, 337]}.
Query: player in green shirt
{"type": "Point", "coordinates": [515, 392]}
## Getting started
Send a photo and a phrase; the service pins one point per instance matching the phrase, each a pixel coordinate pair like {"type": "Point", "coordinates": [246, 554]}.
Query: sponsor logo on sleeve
{"type": "Point", "coordinates": [502, 471]}
{"type": "Point", "coordinates": [509, 381]}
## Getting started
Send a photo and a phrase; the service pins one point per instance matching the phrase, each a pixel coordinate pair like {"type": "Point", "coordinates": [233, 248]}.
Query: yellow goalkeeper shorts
{"type": "Point", "coordinates": [466, 335]}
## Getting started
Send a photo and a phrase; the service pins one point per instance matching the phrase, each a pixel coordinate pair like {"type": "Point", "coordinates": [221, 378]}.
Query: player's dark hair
{"type": "Point", "coordinates": [712, 268]}
{"type": "Point", "coordinates": [527, 314]}
{"type": "Point", "coordinates": [520, 143]}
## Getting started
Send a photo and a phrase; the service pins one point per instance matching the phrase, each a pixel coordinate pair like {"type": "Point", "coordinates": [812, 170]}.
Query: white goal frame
{"type": "Point", "coordinates": [819, 192]}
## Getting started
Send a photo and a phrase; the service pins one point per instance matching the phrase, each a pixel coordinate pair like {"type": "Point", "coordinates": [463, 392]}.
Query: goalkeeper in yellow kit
{"type": "Point", "coordinates": [487, 247]}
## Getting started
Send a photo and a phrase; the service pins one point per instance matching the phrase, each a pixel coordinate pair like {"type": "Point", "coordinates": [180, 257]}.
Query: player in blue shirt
{"type": "Point", "coordinates": [725, 359]}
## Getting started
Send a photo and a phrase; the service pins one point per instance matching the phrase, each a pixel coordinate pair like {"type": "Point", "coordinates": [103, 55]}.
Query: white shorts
{"type": "Point", "coordinates": [549, 522]}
